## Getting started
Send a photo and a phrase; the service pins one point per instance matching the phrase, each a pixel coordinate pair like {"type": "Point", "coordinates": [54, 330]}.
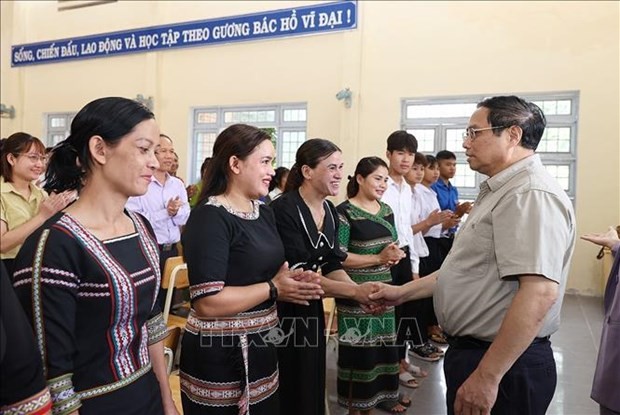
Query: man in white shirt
{"type": "Point", "coordinates": [401, 149]}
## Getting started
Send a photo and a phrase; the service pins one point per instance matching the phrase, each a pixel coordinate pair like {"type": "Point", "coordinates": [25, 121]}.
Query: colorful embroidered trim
{"type": "Point", "coordinates": [64, 399]}
{"type": "Point", "coordinates": [111, 387]}
{"type": "Point", "coordinates": [242, 323]}
{"type": "Point", "coordinates": [39, 404]}
{"type": "Point", "coordinates": [206, 288]}
{"type": "Point", "coordinates": [220, 394]}
{"type": "Point", "coordinates": [156, 329]}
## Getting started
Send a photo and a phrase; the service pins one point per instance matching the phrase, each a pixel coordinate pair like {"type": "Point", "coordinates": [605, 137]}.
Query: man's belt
{"type": "Point", "coordinates": [166, 247]}
{"type": "Point", "coordinates": [469, 342]}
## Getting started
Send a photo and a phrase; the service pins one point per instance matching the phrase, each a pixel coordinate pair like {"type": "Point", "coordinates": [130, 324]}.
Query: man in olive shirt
{"type": "Point", "coordinates": [499, 292]}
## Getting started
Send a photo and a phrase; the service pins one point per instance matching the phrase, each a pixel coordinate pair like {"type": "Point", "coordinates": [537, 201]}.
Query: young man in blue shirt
{"type": "Point", "coordinates": [448, 196]}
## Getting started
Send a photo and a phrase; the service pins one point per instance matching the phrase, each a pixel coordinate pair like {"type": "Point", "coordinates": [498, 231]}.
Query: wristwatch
{"type": "Point", "coordinates": [273, 291]}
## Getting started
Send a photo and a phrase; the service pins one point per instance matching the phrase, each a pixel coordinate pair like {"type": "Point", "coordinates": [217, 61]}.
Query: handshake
{"type": "Point", "coordinates": [375, 297]}
{"type": "Point", "coordinates": [301, 286]}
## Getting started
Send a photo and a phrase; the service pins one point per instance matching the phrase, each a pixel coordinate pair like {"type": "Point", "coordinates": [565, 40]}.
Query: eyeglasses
{"type": "Point", "coordinates": [470, 133]}
{"type": "Point", "coordinates": [34, 157]}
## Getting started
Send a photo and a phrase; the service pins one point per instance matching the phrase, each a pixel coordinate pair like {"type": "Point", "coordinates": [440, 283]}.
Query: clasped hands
{"type": "Point", "coordinates": [297, 285]}
{"type": "Point", "coordinates": [391, 255]}
{"type": "Point", "coordinates": [56, 202]}
{"type": "Point", "coordinates": [463, 208]}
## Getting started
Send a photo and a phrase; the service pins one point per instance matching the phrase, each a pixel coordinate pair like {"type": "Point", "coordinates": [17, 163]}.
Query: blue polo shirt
{"type": "Point", "coordinates": [447, 195]}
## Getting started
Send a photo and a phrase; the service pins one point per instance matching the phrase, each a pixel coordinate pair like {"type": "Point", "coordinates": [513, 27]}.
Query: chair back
{"type": "Point", "coordinates": [175, 275]}
{"type": "Point", "coordinates": [181, 280]}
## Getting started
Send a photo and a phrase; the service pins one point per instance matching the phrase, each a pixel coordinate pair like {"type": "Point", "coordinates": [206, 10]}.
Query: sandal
{"type": "Point", "coordinates": [415, 370]}
{"type": "Point", "coordinates": [438, 338]}
{"type": "Point", "coordinates": [435, 349]}
{"type": "Point", "coordinates": [407, 380]}
{"type": "Point", "coordinates": [404, 400]}
{"type": "Point", "coordinates": [426, 352]}
{"type": "Point", "coordinates": [393, 407]}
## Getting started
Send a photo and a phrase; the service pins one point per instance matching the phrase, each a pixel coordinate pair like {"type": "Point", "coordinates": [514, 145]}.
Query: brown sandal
{"type": "Point", "coordinates": [393, 407]}
{"type": "Point", "coordinates": [439, 338]}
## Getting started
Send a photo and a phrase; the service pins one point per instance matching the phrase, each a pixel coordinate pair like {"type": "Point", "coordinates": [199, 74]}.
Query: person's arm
{"type": "Point", "coordinates": [296, 286]}
{"type": "Point", "coordinates": [137, 204]}
{"type": "Point", "coordinates": [522, 322]}
{"type": "Point", "coordinates": [48, 294]}
{"type": "Point", "coordinates": [206, 245]}
{"type": "Point", "coordinates": [157, 332]}
{"type": "Point", "coordinates": [413, 290]}
{"type": "Point", "coordinates": [182, 214]}
{"type": "Point", "coordinates": [521, 242]}
{"type": "Point", "coordinates": [9, 239]}
{"type": "Point", "coordinates": [156, 354]}
{"type": "Point", "coordinates": [338, 284]}
{"type": "Point", "coordinates": [607, 239]}
{"type": "Point", "coordinates": [206, 242]}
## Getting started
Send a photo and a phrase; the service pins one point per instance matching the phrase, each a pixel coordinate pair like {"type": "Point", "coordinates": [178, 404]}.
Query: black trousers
{"type": "Point", "coordinates": [445, 245]}
{"type": "Point", "coordinates": [423, 308]}
{"type": "Point", "coordinates": [526, 389]}
{"type": "Point", "coordinates": [407, 327]}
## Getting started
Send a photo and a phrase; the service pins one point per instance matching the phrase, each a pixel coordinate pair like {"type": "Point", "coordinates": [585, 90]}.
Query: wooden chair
{"type": "Point", "coordinates": [329, 309]}
{"type": "Point", "coordinates": [180, 248]}
{"type": "Point", "coordinates": [175, 276]}
{"type": "Point", "coordinates": [171, 345]}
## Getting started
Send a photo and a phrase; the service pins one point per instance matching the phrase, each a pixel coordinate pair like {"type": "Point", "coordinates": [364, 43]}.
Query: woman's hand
{"type": "Point", "coordinates": [363, 298]}
{"type": "Point", "coordinates": [297, 286]}
{"type": "Point", "coordinates": [608, 239]}
{"type": "Point", "coordinates": [391, 254]}
{"type": "Point", "coordinates": [55, 203]}
{"type": "Point", "coordinates": [191, 190]}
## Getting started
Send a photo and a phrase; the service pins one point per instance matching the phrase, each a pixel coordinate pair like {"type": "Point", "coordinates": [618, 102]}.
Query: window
{"type": "Point", "coordinates": [287, 122]}
{"type": "Point", "coordinates": [438, 124]}
{"type": "Point", "coordinates": [57, 127]}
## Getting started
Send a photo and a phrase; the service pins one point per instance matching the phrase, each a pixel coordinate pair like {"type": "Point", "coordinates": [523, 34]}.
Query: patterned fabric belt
{"type": "Point", "coordinates": [111, 387]}
{"type": "Point", "coordinates": [243, 323]}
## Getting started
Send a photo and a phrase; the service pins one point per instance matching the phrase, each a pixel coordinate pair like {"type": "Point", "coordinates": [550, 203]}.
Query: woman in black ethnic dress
{"type": "Point", "coordinates": [368, 362]}
{"type": "Point", "coordinates": [88, 278]}
{"type": "Point", "coordinates": [308, 226]}
{"type": "Point", "coordinates": [237, 270]}
{"type": "Point", "coordinates": [23, 389]}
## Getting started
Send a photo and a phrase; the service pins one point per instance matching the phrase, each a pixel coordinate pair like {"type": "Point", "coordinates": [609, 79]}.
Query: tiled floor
{"type": "Point", "coordinates": [575, 347]}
